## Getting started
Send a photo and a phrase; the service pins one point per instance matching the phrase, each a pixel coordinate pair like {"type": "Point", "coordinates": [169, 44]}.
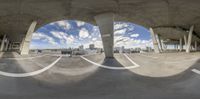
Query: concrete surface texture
{"type": "Point", "coordinates": [16, 16]}
{"type": "Point", "coordinates": [159, 76]}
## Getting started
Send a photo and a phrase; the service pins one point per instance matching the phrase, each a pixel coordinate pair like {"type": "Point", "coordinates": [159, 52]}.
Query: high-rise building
{"type": "Point", "coordinates": [91, 46]}
{"type": "Point", "coordinates": [81, 47]}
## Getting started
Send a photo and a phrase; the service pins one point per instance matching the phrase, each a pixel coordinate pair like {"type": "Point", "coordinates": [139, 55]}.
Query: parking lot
{"type": "Point", "coordinates": [140, 76]}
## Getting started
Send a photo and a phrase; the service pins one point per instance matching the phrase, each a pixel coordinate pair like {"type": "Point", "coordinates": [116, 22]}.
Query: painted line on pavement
{"type": "Point", "coordinates": [30, 73]}
{"type": "Point", "coordinates": [135, 64]}
{"type": "Point", "coordinates": [196, 71]}
{"type": "Point", "coordinates": [109, 67]}
{"type": "Point", "coordinates": [23, 58]}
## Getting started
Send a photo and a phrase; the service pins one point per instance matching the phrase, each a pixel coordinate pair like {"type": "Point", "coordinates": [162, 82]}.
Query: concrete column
{"type": "Point", "coordinates": [181, 44]}
{"type": "Point", "coordinates": [3, 43]}
{"type": "Point", "coordinates": [195, 45]}
{"type": "Point", "coordinates": [163, 45]}
{"type": "Point", "coordinates": [185, 41]}
{"type": "Point", "coordinates": [26, 42]}
{"type": "Point", "coordinates": [7, 43]}
{"type": "Point", "coordinates": [154, 40]}
{"type": "Point", "coordinates": [106, 25]}
{"type": "Point", "coordinates": [159, 42]}
{"type": "Point", "coordinates": [189, 39]}
{"type": "Point", "coordinates": [21, 45]}
{"type": "Point", "coordinates": [10, 46]}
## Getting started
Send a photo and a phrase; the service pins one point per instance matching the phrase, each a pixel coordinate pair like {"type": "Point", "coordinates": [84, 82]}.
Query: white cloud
{"type": "Point", "coordinates": [83, 33]}
{"type": "Point", "coordinates": [80, 23]}
{"type": "Point", "coordinates": [64, 24]}
{"type": "Point", "coordinates": [63, 37]}
{"type": "Point", "coordinates": [43, 37]}
{"type": "Point", "coordinates": [120, 25]}
{"type": "Point", "coordinates": [120, 32]}
{"type": "Point", "coordinates": [131, 43]}
{"type": "Point", "coordinates": [90, 36]}
{"type": "Point", "coordinates": [94, 39]}
{"type": "Point", "coordinates": [135, 35]}
{"type": "Point", "coordinates": [58, 34]}
{"type": "Point", "coordinates": [70, 39]}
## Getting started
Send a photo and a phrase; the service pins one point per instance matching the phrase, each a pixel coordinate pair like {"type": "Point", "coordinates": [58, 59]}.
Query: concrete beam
{"type": "Point", "coordinates": [155, 42]}
{"type": "Point", "coordinates": [26, 41]}
{"type": "Point", "coordinates": [106, 25]}
{"type": "Point", "coordinates": [189, 39]}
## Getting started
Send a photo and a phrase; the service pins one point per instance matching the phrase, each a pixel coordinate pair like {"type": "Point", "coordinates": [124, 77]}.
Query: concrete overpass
{"type": "Point", "coordinates": [19, 18]}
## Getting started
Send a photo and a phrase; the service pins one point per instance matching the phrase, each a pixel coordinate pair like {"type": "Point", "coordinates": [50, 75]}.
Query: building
{"type": "Point", "coordinates": [81, 47]}
{"type": "Point", "coordinates": [91, 46]}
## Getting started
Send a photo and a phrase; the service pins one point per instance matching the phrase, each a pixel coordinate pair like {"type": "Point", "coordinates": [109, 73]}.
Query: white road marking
{"type": "Point", "coordinates": [196, 71]}
{"type": "Point", "coordinates": [108, 67]}
{"type": "Point", "coordinates": [23, 58]}
{"type": "Point", "coordinates": [146, 56]}
{"type": "Point", "coordinates": [131, 60]}
{"type": "Point", "coordinates": [30, 73]}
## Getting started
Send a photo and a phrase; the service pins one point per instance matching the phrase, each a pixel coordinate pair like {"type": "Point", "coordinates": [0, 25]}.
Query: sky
{"type": "Point", "coordinates": [72, 33]}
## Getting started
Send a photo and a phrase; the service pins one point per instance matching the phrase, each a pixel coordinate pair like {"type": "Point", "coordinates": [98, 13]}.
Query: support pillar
{"type": "Point", "coordinates": [189, 39]}
{"type": "Point", "coordinates": [26, 41]}
{"type": "Point", "coordinates": [181, 45]}
{"type": "Point", "coordinates": [7, 43]}
{"type": "Point", "coordinates": [163, 45]}
{"type": "Point", "coordinates": [10, 46]}
{"type": "Point", "coordinates": [3, 43]}
{"type": "Point", "coordinates": [195, 45]}
{"type": "Point", "coordinates": [155, 42]}
{"type": "Point", "coordinates": [106, 25]}
{"type": "Point", "coordinates": [159, 42]}
{"type": "Point", "coordinates": [185, 41]}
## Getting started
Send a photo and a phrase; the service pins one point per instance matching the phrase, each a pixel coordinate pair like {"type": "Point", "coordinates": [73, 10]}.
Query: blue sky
{"type": "Point", "coordinates": [71, 33]}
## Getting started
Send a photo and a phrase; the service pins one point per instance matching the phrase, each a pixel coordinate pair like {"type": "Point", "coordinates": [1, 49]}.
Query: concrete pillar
{"type": "Point", "coordinates": [7, 43]}
{"type": "Point", "coordinates": [195, 45]}
{"type": "Point", "coordinates": [26, 41]}
{"type": "Point", "coordinates": [159, 42]}
{"type": "Point", "coordinates": [181, 45]}
{"type": "Point", "coordinates": [106, 25]}
{"type": "Point", "coordinates": [21, 44]}
{"type": "Point", "coordinates": [154, 40]}
{"type": "Point", "coordinates": [10, 46]}
{"type": "Point", "coordinates": [3, 43]}
{"type": "Point", "coordinates": [163, 45]}
{"type": "Point", "coordinates": [189, 39]}
{"type": "Point", "coordinates": [185, 41]}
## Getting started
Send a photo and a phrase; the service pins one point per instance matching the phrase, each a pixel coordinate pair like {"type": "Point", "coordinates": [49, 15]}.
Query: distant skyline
{"type": "Point", "coordinates": [71, 34]}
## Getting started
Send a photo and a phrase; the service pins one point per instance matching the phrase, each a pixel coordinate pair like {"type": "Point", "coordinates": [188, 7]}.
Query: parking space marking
{"type": "Point", "coordinates": [23, 58]}
{"type": "Point", "coordinates": [108, 67]}
{"type": "Point", "coordinates": [30, 73]}
{"type": "Point", "coordinates": [135, 64]}
{"type": "Point", "coordinates": [196, 71]}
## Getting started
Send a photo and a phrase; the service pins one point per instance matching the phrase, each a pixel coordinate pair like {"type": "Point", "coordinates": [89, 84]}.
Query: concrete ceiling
{"type": "Point", "coordinates": [173, 33]}
{"type": "Point", "coordinates": [17, 15]}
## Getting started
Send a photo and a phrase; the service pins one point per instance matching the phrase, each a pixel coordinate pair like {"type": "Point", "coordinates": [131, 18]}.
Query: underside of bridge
{"type": "Point", "coordinates": [169, 20]}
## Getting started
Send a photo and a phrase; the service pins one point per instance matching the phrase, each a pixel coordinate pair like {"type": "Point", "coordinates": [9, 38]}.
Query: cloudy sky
{"type": "Point", "coordinates": [69, 33]}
